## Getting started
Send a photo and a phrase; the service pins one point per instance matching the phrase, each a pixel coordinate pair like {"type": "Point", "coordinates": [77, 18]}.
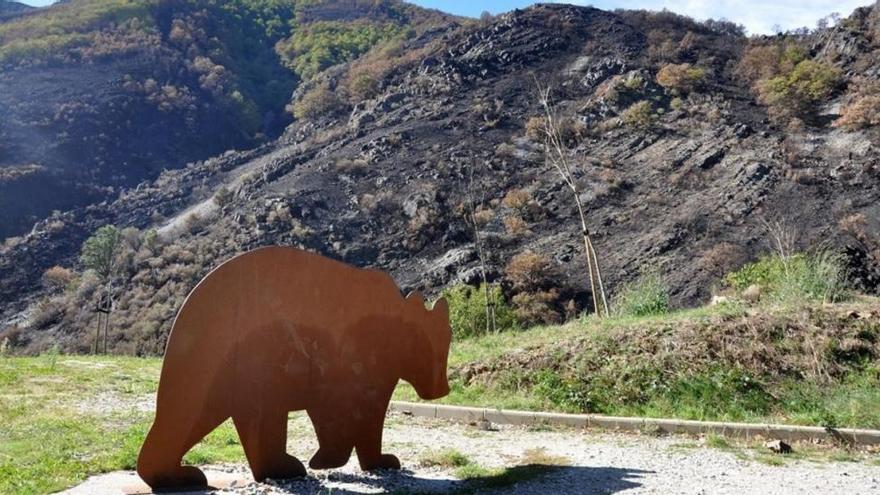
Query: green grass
{"type": "Point", "coordinates": [817, 276]}
{"type": "Point", "coordinates": [449, 458]}
{"type": "Point", "coordinates": [64, 418]}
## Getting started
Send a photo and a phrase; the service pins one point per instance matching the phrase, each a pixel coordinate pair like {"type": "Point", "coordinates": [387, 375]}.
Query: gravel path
{"type": "Point", "coordinates": [594, 463]}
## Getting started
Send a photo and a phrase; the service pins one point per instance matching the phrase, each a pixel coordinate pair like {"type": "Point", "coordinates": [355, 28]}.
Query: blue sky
{"type": "Point", "coordinates": [759, 16]}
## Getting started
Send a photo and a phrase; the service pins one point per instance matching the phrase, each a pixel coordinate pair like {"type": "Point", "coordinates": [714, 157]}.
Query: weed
{"type": "Point", "coordinates": [819, 276]}
{"type": "Point", "coordinates": [449, 458]}
{"type": "Point", "coordinates": [539, 456]}
{"type": "Point", "coordinates": [648, 295]}
{"type": "Point", "coordinates": [717, 441]}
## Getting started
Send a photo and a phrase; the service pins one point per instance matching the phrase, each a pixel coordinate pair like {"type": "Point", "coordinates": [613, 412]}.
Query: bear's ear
{"type": "Point", "coordinates": [416, 297]}
{"type": "Point", "coordinates": [441, 306]}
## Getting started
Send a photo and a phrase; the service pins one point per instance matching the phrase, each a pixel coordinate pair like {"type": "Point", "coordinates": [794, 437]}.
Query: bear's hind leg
{"type": "Point", "coordinates": [264, 437]}
{"type": "Point", "coordinates": [159, 462]}
{"type": "Point", "coordinates": [369, 443]}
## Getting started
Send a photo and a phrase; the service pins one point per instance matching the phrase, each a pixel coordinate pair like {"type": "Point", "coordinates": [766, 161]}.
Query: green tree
{"type": "Point", "coordinates": [100, 250]}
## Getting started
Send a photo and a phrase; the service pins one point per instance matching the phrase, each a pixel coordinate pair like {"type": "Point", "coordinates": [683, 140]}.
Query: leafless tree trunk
{"type": "Point", "coordinates": [97, 335]}
{"type": "Point", "coordinates": [557, 156]}
{"type": "Point", "coordinates": [103, 309]}
{"type": "Point", "coordinates": [472, 219]}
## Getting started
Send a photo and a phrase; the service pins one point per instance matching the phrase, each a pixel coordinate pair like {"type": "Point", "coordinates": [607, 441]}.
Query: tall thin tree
{"type": "Point", "coordinates": [471, 216]}
{"type": "Point", "coordinates": [556, 154]}
{"type": "Point", "coordinates": [99, 254]}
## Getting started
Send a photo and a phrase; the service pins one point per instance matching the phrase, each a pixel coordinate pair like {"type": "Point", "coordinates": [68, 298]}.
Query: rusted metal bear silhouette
{"type": "Point", "coordinates": [278, 330]}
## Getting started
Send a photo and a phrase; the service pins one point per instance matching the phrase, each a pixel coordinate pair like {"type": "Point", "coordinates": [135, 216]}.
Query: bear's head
{"type": "Point", "coordinates": [427, 372]}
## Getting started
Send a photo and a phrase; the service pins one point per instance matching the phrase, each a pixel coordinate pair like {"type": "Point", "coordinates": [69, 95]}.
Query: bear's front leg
{"type": "Point", "coordinates": [335, 441]}
{"type": "Point", "coordinates": [369, 442]}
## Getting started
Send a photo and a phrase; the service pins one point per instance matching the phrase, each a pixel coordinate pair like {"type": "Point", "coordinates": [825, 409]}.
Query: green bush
{"type": "Point", "coordinates": [316, 103]}
{"type": "Point", "coordinates": [819, 276]}
{"type": "Point", "coordinates": [681, 78]}
{"type": "Point", "coordinates": [647, 295]}
{"type": "Point", "coordinates": [799, 91]}
{"type": "Point", "coordinates": [639, 114]}
{"type": "Point", "coordinates": [467, 310]}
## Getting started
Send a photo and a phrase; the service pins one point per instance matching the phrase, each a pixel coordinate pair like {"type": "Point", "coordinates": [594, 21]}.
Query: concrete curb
{"type": "Point", "coordinates": [739, 430]}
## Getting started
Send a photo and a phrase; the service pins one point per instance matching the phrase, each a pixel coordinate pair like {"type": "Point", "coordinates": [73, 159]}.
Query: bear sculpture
{"type": "Point", "coordinates": [276, 330]}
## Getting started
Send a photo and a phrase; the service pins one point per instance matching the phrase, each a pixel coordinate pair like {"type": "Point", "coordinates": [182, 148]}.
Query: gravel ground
{"type": "Point", "coordinates": [592, 463]}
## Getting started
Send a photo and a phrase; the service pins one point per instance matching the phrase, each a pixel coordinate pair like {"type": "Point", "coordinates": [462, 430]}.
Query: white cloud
{"type": "Point", "coordinates": [757, 16]}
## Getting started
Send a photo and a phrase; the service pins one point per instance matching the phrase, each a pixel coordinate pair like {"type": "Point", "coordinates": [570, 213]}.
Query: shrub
{"type": "Point", "coordinates": [48, 312]}
{"type": "Point", "coordinates": [722, 258]}
{"type": "Point", "coordinates": [571, 130]}
{"type": "Point", "coordinates": [57, 278]}
{"type": "Point", "coordinates": [819, 276]}
{"type": "Point", "coordinates": [467, 310]}
{"type": "Point", "coordinates": [515, 225]}
{"type": "Point", "coordinates": [483, 215]}
{"type": "Point", "coordinates": [223, 196]}
{"type": "Point", "coordinates": [517, 199]}
{"type": "Point", "coordinates": [529, 270]}
{"type": "Point", "coordinates": [367, 72]}
{"type": "Point", "coordinates": [799, 91]}
{"type": "Point", "coordinates": [535, 129]}
{"type": "Point", "coordinates": [639, 115]}
{"type": "Point", "coordinates": [316, 103]}
{"type": "Point", "coordinates": [351, 166]}
{"type": "Point", "coordinates": [861, 112]}
{"type": "Point", "coordinates": [759, 62]}
{"type": "Point", "coordinates": [681, 78]}
{"type": "Point", "coordinates": [646, 296]}
{"type": "Point", "coordinates": [538, 307]}
{"type": "Point", "coordinates": [634, 83]}
{"type": "Point", "coordinates": [362, 86]}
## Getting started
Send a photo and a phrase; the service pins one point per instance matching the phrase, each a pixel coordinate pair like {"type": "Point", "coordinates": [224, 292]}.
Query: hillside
{"type": "Point", "coordinates": [689, 138]}
{"type": "Point", "coordinates": [99, 95]}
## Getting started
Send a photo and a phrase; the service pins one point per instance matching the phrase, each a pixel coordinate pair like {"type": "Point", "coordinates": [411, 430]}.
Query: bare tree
{"type": "Point", "coordinates": [556, 154]}
{"type": "Point", "coordinates": [471, 215]}
{"type": "Point", "coordinates": [783, 237]}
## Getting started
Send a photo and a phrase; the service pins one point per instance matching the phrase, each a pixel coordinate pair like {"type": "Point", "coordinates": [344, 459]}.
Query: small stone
{"type": "Point", "coordinates": [752, 293]}
{"type": "Point", "coordinates": [716, 300]}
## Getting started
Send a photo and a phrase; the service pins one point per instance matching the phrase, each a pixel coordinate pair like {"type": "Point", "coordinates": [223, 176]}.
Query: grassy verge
{"type": "Point", "coordinates": [809, 365]}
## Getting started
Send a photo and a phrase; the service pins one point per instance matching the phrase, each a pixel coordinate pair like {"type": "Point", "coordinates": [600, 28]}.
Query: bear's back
{"type": "Point", "coordinates": [273, 286]}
